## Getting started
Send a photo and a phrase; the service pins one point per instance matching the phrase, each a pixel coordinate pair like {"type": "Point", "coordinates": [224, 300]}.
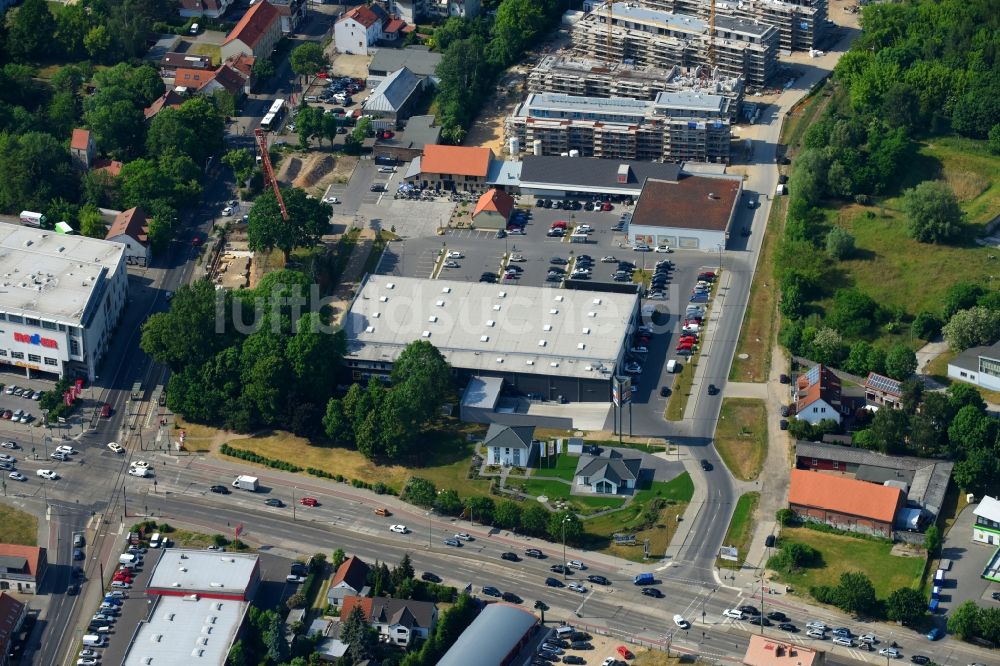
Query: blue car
{"type": "Point", "coordinates": [934, 634]}
{"type": "Point", "coordinates": [699, 298]}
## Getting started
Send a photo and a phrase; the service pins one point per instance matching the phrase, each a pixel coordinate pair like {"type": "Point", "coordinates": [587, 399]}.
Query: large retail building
{"type": "Point", "coordinates": [60, 300]}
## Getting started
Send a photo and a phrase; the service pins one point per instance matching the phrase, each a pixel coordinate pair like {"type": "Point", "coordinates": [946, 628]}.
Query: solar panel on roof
{"type": "Point", "coordinates": [883, 383]}
{"type": "Point", "coordinates": [813, 375]}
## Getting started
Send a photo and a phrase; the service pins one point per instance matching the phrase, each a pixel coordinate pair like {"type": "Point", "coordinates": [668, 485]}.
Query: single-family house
{"type": "Point", "coordinates": [21, 567]}
{"type": "Point", "coordinates": [256, 34]}
{"type": "Point", "coordinates": [417, 58]}
{"type": "Point", "coordinates": [171, 98]}
{"type": "Point", "coordinates": [510, 446]}
{"type": "Point", "coordinates": [819, 397]}
{"type": "Point", "coordinates": [82, 148]}
{"type": "Point", "coordinates": [210, 8]}
{"type": "Point", "coordinates": [291, 12]}
{"type": "Point", "coordinates": [493, 209]}
{"type": "Point", "coordinates": [349, 580]}
{"type": "Point", "coordinates": [607, 475]}
{"type": "Point", "coordinates": [767, 651]}
{"type": "Point", "coordinates": [229, 79]}
{"type": "Point", "coordinates": [847, 504]}
{"type": "Point", "coordinates": [883, 391]}
{"type": "Point", "coordinates": [986, 529]}
{"type": "Point", "coordinates": [173, 61]}
{"type": "Point", "coordinates": [979, 366]}
{"type": "Point", "coordinates": [359, 29]}
{"type": "Point", "coordinates": [12, 614]}
{"type": "Point", "coordinates": [395, 98]}
{"type": "Point", "coordinates": [452, 168]}
{"type": "Point", "coordinates": [398, 621]}
{"type": "Point", "coordinates": [131, 228]}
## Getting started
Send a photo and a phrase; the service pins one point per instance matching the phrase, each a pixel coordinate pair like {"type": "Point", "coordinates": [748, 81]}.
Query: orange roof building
{"type": "Point", "coordinates": [493, 209]}
{"type": "Point", "coordinates": [350, 580]}
{"type": "Point", "coordinates": [256, 34]}
{"type": "Point", "coordinates": [766, 651]}
{"type": "Point", "coordinates": [168, 99]}
{"type": "Point", "coordinates": [847, 504]}
{"type": "Point", "coordinates": [819, 396]}
{"type": "Point", "coordinates": [82, 148]}
{"type": "Point", "coordinates": [131, 228]}
{"type": "Point", "coordinates": [22, 567]}
{"type": "Point", "coordinates": [453, 168]}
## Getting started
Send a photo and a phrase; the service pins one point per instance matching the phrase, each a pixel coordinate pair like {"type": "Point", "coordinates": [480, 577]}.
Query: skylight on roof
{"type": "Point", "coordinates": [440, 304]}
{"type": "Point", "coordinates": [484, 338]}
{"type": "Point", "coordinates": [502, 294]}
{"type": "Point", "coordinates": [497, 307]}
{"type": "Point", "coordinates": [597, 301]}
{"type": "Point", "coordinates": [586, 331]}
{"type": "Point", "coordinates": [369, 329]}
{"type": "Point", "coordinates": [559, 298]}
{"type": "Point", "coordinates": [376, 315]}
{"type": "Point", "coordinates": [529, 362]}
{"type": "Point", "coordinates": [547, 327]}
{"type": "Point", "coordinates": [591, 314]}
{"type": "Point", "coordinates": [390, 285]}
{"type": "Point", "coordinates": [426, 334]}
{"type": "Point", "coordinates": [384, 299]}
{"type": "Point", "coordinates": [554, 311]}
{"type": "Point", "coordinates": [581, 345]}
{"type": "Point", "coordinates": [446, 290]}
{"type": "Point", "coordinates": [432, 318]}
{"type": "Point", "coordinates": [541, 343]}
{"type": "Point", "coordinates": [490, 323]}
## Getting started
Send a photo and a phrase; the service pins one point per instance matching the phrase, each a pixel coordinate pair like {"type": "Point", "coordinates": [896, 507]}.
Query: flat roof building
{"type": "Point", "coordinates": [557, 342]}
{"type": "Point", "coordinates": [767, 651]}
{"type": "Point", "coordinates": [206, 573]}
{"type": "Point", "coordinates": [672, 127]}
{"type": "Point", "coordinates": [187, 629]}
{"type": "Point", "coordinates": [575, 176]}
{"type": "Point", "coordinates": [418, 59]}
{"type": "Point", "coordinates": [61, 297]}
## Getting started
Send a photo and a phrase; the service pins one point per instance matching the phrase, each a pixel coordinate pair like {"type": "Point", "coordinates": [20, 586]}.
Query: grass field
{"type": "Point", "coordinates": [842, 554]}
{"type": "Point", "coordinates": [558, 490]}
{"type": "Point", "coordinates": [17, 527]}
{"type": "Point", "coordinates": [740, 530]}
{"type": "Point", "coordinates": [564, 467]}
{"type": "Point", "coordinates": [741, 436]}
{"type": "Point", "coordinates": [682, 390]}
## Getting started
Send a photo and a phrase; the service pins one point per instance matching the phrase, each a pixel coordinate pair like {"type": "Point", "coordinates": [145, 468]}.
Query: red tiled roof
{"type": "Point", "coordinates": [132, 222]}
{"type": "Point", "coordinates": [395, 25]}
{"type": "Point", "coordinates": [254, 24]}
{"type": "Point", "coordinates": [169, 98]}
{"type": "Point", "coordinates": [230, 79]}
{"type": "Point", "coordinates": [692, 202]}
{"type": "Point", "coordinates": [352, 571]}
{"type": "Point", "coordinates": [113, 167]}
{"type": "Point", "coordinates": [33, 554]}
{"type": "Point", "coordinates": [495, 200]}
{"type": "Point", "coordinates": [350, 602]}
{"type": "Point", "coordinates": [80, 140]}
{"type": "Point", "coordinates": [242, 63]}
{"type": "Point", "coordinates": [826, 388]}
{"type": "Point", "coordinates": [192, 78]}
{"type": "Point", "coordinates": [362, 15]}
{"type": "Point", "coordinates": [456, 160]}
{"type": "Point", "coordinates": [843, 495]}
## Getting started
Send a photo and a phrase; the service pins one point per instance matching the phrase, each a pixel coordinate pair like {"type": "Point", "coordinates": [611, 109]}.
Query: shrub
{"type": "Point", "coordinates": [785, 517]}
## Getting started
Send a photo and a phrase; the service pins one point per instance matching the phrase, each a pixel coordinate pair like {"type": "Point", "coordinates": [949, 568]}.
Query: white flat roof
{"type": "Point", "coordinates": [500, 327]}
{"type": "Point", "coordinates": [989, 508]}
{"type": "Point", "coordinates": [185, 630]}
{"type": "Point", "coordinates": [190, 571]}
{"type": "Point", "coordinates": [52, 276]}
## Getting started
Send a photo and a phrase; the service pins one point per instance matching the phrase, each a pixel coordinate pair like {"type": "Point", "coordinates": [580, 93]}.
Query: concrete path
{"type": "Point", "coordinates": [746, 390]}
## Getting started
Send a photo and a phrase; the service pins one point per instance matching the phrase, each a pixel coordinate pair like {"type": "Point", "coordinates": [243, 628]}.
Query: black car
{"type": "Point", "coordinates": [996, 596]}
{"type": "Point", "coordinates": [377, 187]}
{"type": "Point", "coordinates": [558, 260]}
{"type": "Point", "coordinates": [705, 465]}
{"type": "Point", "coordinates": [712, 389]}
{"type": "Point", "coordinates": [298, 569]}
{"type": "Point", "coordinates": [664, 391]}
{"type": "Point", "coordinates": [274, 501]}
{"type": "Point", "coordinates": [783, 179]}
{"type": "Point", "coordinates": [783, 424]}
{"type": "Point", "coordinates": [556, 642]}
{"type": "Point", "coordinates": [581, 645]}
{"type": "Point", "coordinates": [491, 591]}
{"type": "Point", "coordinates": [760, 620]}
{"type": "Point", "coordinates": [785, 379]}
{"type": "Point", "coordinates": [222, 490]}
{"type": "Point", "coordinates": [652, 592]}
{"type": "Point", "coordinates": [920, 659]}
{"type": "Point", "coordinates": [580, 636]}
{"type": "Point", "coordinates": [750, 610]}
{"type": "Point", "coordinates": [73, 589]}
{"type": "Point", "coordinates": [554, 582]}
{"type": "Point", "coordinates": [510, 598]}
{"type": "Point", "coordinates": [784, 410]}
{"type": "Point", "coordinates": [561, 569]}
{"type": "Point", "coordinates": [788, 626]}
{"type": "Point", "coordinates": [598, 580]}
{"type": "Point", "coordinates": [430, 577]}
{"type": "Point", "coordinates": [515, 268]}
{"type": "Point", "coordinates": [585, 257]}
{"type": "Point", "coordinates": [510, 557]}
{"type": "Point", "coordinates": [535, 553]}
{"type": "Point", "coordinates": [573, 659]}
{"type": "Point", "coordinates": [777, 616]}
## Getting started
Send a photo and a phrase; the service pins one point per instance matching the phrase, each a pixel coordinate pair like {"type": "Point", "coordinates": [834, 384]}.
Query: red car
{"type": "Point", "coordinates": [682, 346]}
{"type": "Point", "coordinates": [689, 338]}
{"type": "Point", "coordinates": [196, 241]}
{"type": "Point", "coordinates": [606, 206]}
{"type": "Point", "coordinates": [322, 75]}
{"type": "Point", "coordinates": [558, 224]}
{"type": "Point", "coordinates": [122, 578]}
{"type": "Point", "coordinates": [625, 653]}
{"type": "Point", "coordinates": [308, 501]}
{"type": "Point", "coordinates": [105, 411]}
{"type": "Point", "coordinates": [7, 414]}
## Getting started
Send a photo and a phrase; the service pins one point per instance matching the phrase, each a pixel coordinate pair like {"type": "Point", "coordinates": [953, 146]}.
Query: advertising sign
{"type": "Point", "coordinates": [729, 553]}
{"type": "Point", "coordinates": [621, 392]}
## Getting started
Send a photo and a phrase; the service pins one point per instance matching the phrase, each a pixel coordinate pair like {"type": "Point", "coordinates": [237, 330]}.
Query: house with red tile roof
{"type": "Point", "coordinates": [767, 651]}
{"type": "Point", "coordinates": [350, 580]}
{"type": "Point", "coordinates": [493, 209]}
{"type": "Point", "coordinates": [22, 567]}
{"type": "Point", "coordinates": [256, 34]}
{"type": "Point", "coordinates": [359, 29]}
{"type": "Point", "coordinates": [844, 503]}
{"type": "Point", "coordinates": [131, 228]}
{"type": "Point", "coordinates": [210, 8]}
{"type": "Point", "coordinates": [171, 99]}
{"type": "Point", "coordinates": [82, 148]}
{"type": "Point", "coordinates": [109, 166]}
{"type": "Point", "coordinates": [452, 168]}
{"type": "Point", "coordinates": [12, 614]}
{"type": "Point", "coordinates": [819, 396]}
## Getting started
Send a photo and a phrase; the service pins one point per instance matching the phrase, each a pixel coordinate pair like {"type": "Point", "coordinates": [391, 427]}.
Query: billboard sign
{"type": "Point", "coordinates": [621, 392]}
{"type": "Point", "coordinates": [729, 553]}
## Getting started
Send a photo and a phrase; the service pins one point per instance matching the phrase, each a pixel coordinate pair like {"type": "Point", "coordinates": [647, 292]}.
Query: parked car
{"type": "Point", "coordinates": [491, 591]}
{"type": "Point", "coordinates": [624, 652]}
{"type": "Point", "coordinates": [511, 598]}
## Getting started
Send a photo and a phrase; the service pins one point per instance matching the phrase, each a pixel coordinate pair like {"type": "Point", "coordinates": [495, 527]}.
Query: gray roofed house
{"type": "Point", "coordinates": [418, 59]}
{"type": "Point", "coordinates": [395, 97]}
{"type": "Point", "coordinates": [979, 366]}
{"type": "Point", "coordinates": [509, 445]}
{"type": "Point", "coordinates": [608, 475]}
{"type": "Point", "coordinates": [398, 621]}
{"type": "Point", "coordinates": [493, 638]}
{"type": "Point", "coordinates": [586, 172]}
{"type": "Point", "coordinates": [926, 479]}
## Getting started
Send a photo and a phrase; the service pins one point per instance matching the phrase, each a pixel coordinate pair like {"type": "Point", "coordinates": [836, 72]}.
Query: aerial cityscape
{"type": "Point", "coordinates": [499, 332]}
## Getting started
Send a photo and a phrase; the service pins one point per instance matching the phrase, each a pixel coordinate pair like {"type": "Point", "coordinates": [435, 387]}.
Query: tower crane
{"type": "Point", "coordinates": [711, 38]}
{"type": "Point", "coordinates": [269, 178]}
{"type": "Point", "coordinates": [611, 29]}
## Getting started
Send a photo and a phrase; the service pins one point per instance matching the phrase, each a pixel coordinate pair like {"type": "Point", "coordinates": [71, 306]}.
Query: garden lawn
{"type": "Point", "coordinates": [740, 530]}
{"type": "Point", "coordinates": [680, 489]}
{"type": "Point", "coordinates": [558, 490]}
{"type": "Point", "coordinates": [564, 467]}
{"type": "Point", "coordinates": [741, 436]}
{"type": "Point", "coordinates": [17, 527]}
{"type": "Point", "coordinates": [842, 554]}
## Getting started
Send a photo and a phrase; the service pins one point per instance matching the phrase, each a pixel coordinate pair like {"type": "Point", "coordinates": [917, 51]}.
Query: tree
{"type": "Point", "coordinates": [192, 310]}
{"type": "Point", "coordinates": [565, 523]}
{"type": "Point", "coordinates": [932, 540]}
{"type": "Point", "coordinates": [194, 129]}
{"type": "Point", "coordinates": [92, 223]}
{"type": "Point", "coordinates": [855, 594]}
{"type": "Point", "coordinates": [307, 59]}
{"type": "Point", "coordinates": [971, 429]}
{"type": "Point", "coordinates": [480, 509]}
{"type": "Point", "coordinates": [905, 605]}
{"type": "Point", "coordinates": [225, 102]}
{"type": "Point", "coordinates": [973, 327]}
{"type": "Point", "coordinates": [827, 346]}
{"type": "Point", "coordinates": [961, 395]}
{"type": "Point", "coordinates": [263, 69]}
{"type": "Point", "coordinates": [336, 425]}
{"type": "Point", "coordinates": [979, 473]}
{"type": "Point", "coordinates": [964, 620]}
{"type": "Point", "coordinates": [339, 556]}
{"type": "Point", "coordinates": [297, 600]}
{"type": "Point", "coordinates": [508, 514]}
{"type": "Point", "coordinates": [308, 219]}
{"type": "Point", "coordinates": [448, 502]}
{"type": "Point", "coordinates": [961, 296]}
{"type": "Point", "coordinates": [238, 655]}
{"type": "Point", "coordinates": [535, 519]}
{"type": "Point", "coordinates": [993, 139]}
{"type": "Point", "coordinates": [420, 492]}
{"type": "Point", "coordinates": [309, 123]}
{"type": "Point", "coordinates": [926, 326]}
{"type": "Point", "coordinates": [241, 162]}
{"type": "Point", "coordinates": [30, 28]}
{"type": "Point", "coordinates": [422, 373]}
{"type": "Point", "coordinates": [839, 243]}
{"type": "Point", "coordinates": [274, 639]}
{"type": "Point", "coordinates": [853, 312]}
{"type": "Point", "coordinates": [888, 430]}
{"type": "Point", "coordinates": [933, 212]}
{"type": "Point", "coordinates": [357, 635]}
{"type": "Point", "coordinates": [900, 362]}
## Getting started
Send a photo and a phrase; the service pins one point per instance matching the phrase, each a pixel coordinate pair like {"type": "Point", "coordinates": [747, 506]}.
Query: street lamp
{"type": "Point", "coordinates": [429, 513]}
{"type": "Point", "coordinates": [565, 520]}
{"type": "Point", "coordinates": [719, 245]}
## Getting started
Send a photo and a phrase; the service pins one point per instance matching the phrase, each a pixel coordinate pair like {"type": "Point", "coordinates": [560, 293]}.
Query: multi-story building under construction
{"type": "Point", "coordinates": [587, 77]}
{"type": "Point", "coordinates": [654, 38]}
{"type": "Point", "coordinates": [673, 127]}
{"type": "Point", "coordinates": [800, 23]}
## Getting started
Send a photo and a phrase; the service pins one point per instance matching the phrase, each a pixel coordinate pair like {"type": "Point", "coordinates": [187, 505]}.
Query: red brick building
{"type": "Point", "coordinates": [847, 504]}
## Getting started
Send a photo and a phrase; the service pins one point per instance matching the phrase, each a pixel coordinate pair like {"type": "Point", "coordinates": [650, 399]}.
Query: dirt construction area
{"type": "Point", "coordinates": [314, 171]}
{"type": "Point", "coordinates": [355, 66]}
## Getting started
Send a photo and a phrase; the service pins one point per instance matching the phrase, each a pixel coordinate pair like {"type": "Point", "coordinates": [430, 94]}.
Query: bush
{"type": "Point", "coordinates": [786, 517]}
{"type": "Point", "coordinates": [824, 594]}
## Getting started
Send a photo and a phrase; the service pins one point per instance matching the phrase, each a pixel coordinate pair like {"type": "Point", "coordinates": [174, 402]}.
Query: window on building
{"type": "Point", "coordinates": [17, 355]}
{"type": "Point", "coordinates": [3, 352]}
{"type": "Point", "coordinates": [62, 327]}
{"type": "Point", "coordinates": [31, 321]}
{"type": "Point", "coordinates": [17, 319]}
{"type": "Point", "coordinates": [3, 316]}
{"type": "Point", "coordinates": [49, 325]}
{"type": "Point", "coordinates": [74, 347]}
{"type": "Point", "coordinates": [34, 358]}
{"type": "Point", "coordinates": [51, 361]}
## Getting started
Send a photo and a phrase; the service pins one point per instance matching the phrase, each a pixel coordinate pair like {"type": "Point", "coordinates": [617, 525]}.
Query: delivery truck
{"type": "Point", "coordinates": [244, 482]}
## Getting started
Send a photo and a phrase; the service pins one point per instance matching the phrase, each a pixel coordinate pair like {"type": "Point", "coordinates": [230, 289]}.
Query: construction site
{"type": "Point", "coordinates": [644, 37]}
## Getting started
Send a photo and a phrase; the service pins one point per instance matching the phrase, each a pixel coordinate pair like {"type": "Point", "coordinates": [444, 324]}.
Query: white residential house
{"type": "Point", "coordinates": [398, 621]}
{"type": "Point", "coordinates": [819, 397]}
{"type": "Point", "coordinates": [131, 228]}
{"type": "Point", "coordinates": [608, 475]}
{"type": "Point", "coordinates": [986, 529]}
{"type": "Point", "coordinates": [510, 446]}
{"type": "Point", "coordinates": [359, 29]}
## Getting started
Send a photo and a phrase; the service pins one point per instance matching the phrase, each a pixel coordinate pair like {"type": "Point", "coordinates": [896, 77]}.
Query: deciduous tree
{"type": "Point", "coordinates": [973, 327]}
{"type": "Point", "coordinates": [932, 212]}
{"type": "Point", "coordinates": [900, 362]}
{"type": "Point", "coordinates": [905, 605]}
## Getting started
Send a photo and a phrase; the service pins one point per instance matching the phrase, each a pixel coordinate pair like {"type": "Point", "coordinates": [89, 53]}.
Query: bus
{"type": "Point", "coordinates": [32, 219]}
{"type": "Point", "coordinates": [277, 107]}
{"type": "Point", "coordinates": [268, 122]}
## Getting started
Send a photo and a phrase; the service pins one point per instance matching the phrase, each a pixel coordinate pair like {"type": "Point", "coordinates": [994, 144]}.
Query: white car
{"type": "Point", "coordinates": [464, 536]}
{"type": "Point", "coordinates": [608, 259]}
{"type": "Point", "coordinates": [733, 613]}
{"type": "Point", "coordinates": [84, 654]}
{"type": "Point", "coordinates": [141, 472]}
{"type": "Point", "coordinates": [10, 389]}
{"type": "Point", "coordinates": [8, 444]}
{"type": "Point", "coordinates": [17, 476]}
{"type": "Point", "coordinates": [47, 474]}
{"type": "Point", "coordinates": [816, 624]}
{"type": "Point", "coordinates": [816, 633]}
{"type": "Point", "coordinates": [664, 249]}
{"type": "Point", "coordinates": [227, 211]}
{"type": "Point", "coordinates": [140, 463]}
{"type": "Point", "coordinates": [681, 622]}
{"type": "Point", "coordinates": [6, 457]}
{"type": "Point", "coordinates": [331, 200]}
{"type": "Point", "coordinates": [121, 585]}
{"type": "Point", "coordinates": [25, 417]}
{"type": "Point", "coordinates": [868, 638]}
{"type": "Point", "coordinates": [639, 350]}
{"type": "Point", "coordinates": [398, 529]}
{"type": "Point", "coordinates": [576, 564]}
{"type": "Point", "coordinates": [576, 587]}
{"type": "Point", "coordinates": [451, 264]}
{"type": "Point", "coordinates": [610, 661]}
{"type": "Point", "coordinates": [66, 449]}
{"type": "Point", "coordinates": [88, 661]}
{"type": "Point", "coordinates": [517, 257]}
{"type": "Point", "coordinates": [584, 229]}
{"type": "Point", "coordinates": [455, 254]}
{"type": "Point", "coordinates": [890, 652]}
{"type": "Point", "coordinates": [117, 448]}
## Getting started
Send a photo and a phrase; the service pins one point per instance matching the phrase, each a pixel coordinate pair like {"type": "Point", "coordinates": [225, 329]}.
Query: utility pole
{"type": "Point", "coordinates": [124, 500]}
{"type": "Point", "coordinates": [565, 520]}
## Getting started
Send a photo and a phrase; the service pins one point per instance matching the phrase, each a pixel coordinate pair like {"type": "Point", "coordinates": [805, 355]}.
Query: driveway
{"type": "Point", "coordinates": [968, 558]}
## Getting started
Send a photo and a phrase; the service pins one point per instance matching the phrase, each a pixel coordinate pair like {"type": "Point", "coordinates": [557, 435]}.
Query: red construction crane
{"type": "Point", "coordinates": [269, 178]}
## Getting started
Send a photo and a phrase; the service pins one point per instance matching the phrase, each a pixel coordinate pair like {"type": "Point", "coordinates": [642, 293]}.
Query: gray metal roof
{"type": "Point", "coordinates": [482, 392]}
{"type": "Point", "coordinates": [614, 468]}
{"type": "Point", "coordinates": [418, 59]}
{"type": "Point", "coordinates": [392, 93]}
{"type": "Point", "coordinates": [969, 359]}
{"type": "Point", "coordinates": [419, 132]}
{"type": "Point", "coordinates": [491, 637]}
{"type": "Point", "coordinates": [513, 437]}
{"type": "Point", "coordinates": [592, 172]}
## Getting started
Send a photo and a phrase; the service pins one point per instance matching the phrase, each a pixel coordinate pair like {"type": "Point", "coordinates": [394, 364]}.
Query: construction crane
{"type": "Point", "coordinates": [611, 29]}
{"type": "Point", "coordinates": [711, 38]}
{"type": "Point", "coordinates": [269, 178]}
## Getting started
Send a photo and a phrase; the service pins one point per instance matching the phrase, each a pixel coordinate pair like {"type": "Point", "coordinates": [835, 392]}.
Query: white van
{"type": "Point", "coordinates": [671, 365]}
{"type": "Point", "coordinates": [154, 541]}
{"type": "Point", "coordinates": [128, 558]}
{"type": "Point", "coordinates": [194, 28]}
{"type": "Point", "coordinates": [564, 631]}
{"type": "Point", "coordinates": [93, 640]}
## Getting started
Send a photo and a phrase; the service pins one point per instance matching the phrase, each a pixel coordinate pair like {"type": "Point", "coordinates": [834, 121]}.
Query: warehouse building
{"type": "Point", "coordinates": [655, 38]}
{"type": "Point", "coordinates": [673, 127]}
{"type": "Point", "coordinates": [588, 77]}
{"type": "Point", "coordinates": [554, 342]}
{"type": "Point", "coordinates": [61, 298]}
{"type": "Point", "coordinates": [494, 638]}
{"type": "Point", "coordinates": [692, 212]}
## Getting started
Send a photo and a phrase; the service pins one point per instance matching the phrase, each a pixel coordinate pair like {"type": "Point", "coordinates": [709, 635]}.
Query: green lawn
{"type": "Point", "coordinates": [740, 530]}
{"type": "Point", "coordinates": [556, 490]}
{"type": "Point", "coordinates": [741, 436]}
{"type": "Point", "coordinates": [680, 489]}
{"type": "Point", "coordinates": [564, 467]}
{"type": "Point", "coordinates": [842, 554]}
{"type": "Point", "coordinates": [17, 527]}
